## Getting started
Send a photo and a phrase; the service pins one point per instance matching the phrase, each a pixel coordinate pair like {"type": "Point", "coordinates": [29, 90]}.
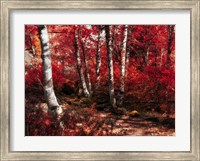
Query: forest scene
{"type": "Point", "coordinates": [99, 80]}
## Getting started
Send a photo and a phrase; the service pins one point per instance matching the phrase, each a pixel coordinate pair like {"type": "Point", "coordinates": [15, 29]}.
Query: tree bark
{"type": "Point", "coordinates": [128, 46]}
{"type": "Point", "coordinates": [123, 63]}
{"type": "Point", "coordinates": [47, 72]}
{"type": "Point", "coordinates": [79, 63]}
{"type": "Point", "coordinates": [98, 58]}
{"type": "Point", "coordinates": [109, 43]}
{"type": "Point", "coordinates": [170, 29]}
{"type": "Point", "coordinates": [86, 68]}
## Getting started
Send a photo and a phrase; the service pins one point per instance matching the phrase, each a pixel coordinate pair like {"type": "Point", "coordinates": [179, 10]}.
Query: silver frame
{"type": "Point", "coordinates": [192, 5]}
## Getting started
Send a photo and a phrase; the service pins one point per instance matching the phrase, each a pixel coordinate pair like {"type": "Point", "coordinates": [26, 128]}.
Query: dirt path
{"type": "Point", "coordinates": [88, 121]}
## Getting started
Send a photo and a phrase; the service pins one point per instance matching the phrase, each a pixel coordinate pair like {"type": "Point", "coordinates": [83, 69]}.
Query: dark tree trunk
{"type": "Point", "coordinates": [170, 29]}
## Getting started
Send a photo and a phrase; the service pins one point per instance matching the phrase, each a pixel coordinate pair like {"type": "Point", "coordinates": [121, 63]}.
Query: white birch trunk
{"type": "Point", "coordinates": [123, 63]}
{"type": "Point", "coordinates": [86, 69]}
{"type": "Point", "coordinates": [109, 41]}
{"type": "Point", "coordinates": [128, 46]}
{"type": "Point", "coordinates": [79, 63]}
{"type": "Point", "coordinates": [128, 50]}
{"type": "Point", "coordinates": [47, 72]}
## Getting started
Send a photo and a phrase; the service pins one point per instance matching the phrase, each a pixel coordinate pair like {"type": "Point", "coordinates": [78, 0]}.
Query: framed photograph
{"type": "Point", "coordinates": [100, 80]}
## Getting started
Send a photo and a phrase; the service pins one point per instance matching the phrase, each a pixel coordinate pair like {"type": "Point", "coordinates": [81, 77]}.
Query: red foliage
{"type": "Point", "coordinates": [47, 122]}
{"type": "Point", "coordinates": [146, 82]}
{"type": "Point", "coordinates": [33, 75]}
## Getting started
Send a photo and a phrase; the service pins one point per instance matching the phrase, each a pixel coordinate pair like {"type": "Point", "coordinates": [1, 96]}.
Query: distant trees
{"type": "Point", "coordinates": [92, 53]}
{"type": "Point", "coordinates": [98, 56]}
{"type": "Point", "coordinates": [77, 47]}
{"type": "Point", "coordinates": [170, 30]}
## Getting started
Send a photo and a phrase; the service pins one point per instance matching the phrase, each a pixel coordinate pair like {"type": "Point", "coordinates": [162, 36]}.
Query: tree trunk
{"type": "Point", "coordinates": [86, 69]}
{"type": "Point", "coordinates": [122, 69]}
{"type": "Point", "coordinates": [79, 63]}
{"type": "Point", "coordinates": [47, 72]}
{"type": "Point", "coordinates": [98, 59]}
{"type": "Point", "coordinates": [109, 41]}
{"type": "Point", "coordinates": [128, 46]}
{"type": "Point", "coordinates": [170, 29]}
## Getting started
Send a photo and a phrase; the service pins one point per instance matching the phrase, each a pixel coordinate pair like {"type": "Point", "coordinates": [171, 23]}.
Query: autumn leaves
{"type": "Point", "coordinates": [104, 32]}
{"type": "Point", "coordinates": [110, 58]}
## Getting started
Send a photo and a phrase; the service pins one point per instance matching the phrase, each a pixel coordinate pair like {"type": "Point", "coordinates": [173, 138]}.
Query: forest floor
{"type": "Point", "coordinates": [83, 117]}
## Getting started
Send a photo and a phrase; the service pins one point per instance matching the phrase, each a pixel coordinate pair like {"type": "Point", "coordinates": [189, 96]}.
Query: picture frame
{"type": "Point", "coordinates": [7, 6]}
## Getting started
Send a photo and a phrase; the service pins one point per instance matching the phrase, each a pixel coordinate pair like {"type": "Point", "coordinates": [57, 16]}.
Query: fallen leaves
{"type": "Point", "coordinates": [78, 121]}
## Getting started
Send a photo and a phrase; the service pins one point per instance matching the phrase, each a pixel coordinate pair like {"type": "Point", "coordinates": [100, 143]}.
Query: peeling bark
{"type": "Point", "coordinates": [47, 72]}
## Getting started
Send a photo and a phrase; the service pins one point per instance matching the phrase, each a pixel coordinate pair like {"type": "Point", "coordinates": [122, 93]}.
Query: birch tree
{"type": "Point", "coordinates": [109, 43]}
{"type": "Point", "coordinates": [128, 45]}
{"type": "Point", "coordinates": [86, 68]}
{"type": "Point", "coordinates": [79, 63]}
{"type": "Point", "coordinates": [49, 94]}
{"type": "Point", "coordinates": [123, 64]}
